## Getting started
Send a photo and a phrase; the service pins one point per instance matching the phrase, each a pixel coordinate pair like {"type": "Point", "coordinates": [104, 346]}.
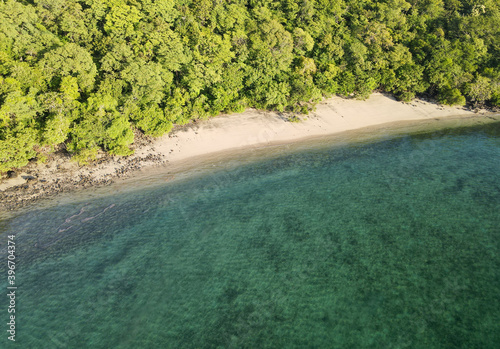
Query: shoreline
{"type": "Point", "coordinates": [196, 142]}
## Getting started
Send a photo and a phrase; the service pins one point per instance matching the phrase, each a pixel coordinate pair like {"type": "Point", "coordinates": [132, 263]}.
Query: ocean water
{"type": "Point", "coordinates": [392, 244]}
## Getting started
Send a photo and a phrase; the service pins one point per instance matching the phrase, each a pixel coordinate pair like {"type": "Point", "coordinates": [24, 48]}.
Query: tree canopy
{"type": "Point", "coordinates": [88, 72]}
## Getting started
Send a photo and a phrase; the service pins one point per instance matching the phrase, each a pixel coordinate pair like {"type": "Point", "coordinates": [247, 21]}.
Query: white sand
{"type": "Point", "coordinates": [254, 128]}
{"type": "Point", "coordinates": [249, 129]}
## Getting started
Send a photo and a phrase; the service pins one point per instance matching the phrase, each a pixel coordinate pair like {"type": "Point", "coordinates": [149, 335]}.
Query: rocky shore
{"type": "Point", "coordinates": [59, 174]}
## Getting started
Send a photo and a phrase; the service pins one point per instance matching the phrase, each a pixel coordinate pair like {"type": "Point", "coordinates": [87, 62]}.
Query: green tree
{"type": "Point", "coordinates": [88, 72]}
{"type": "Point", "coordinates": [69, 60]}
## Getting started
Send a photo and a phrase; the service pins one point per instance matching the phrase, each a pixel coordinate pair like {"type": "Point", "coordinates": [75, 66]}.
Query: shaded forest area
{"type": "Point", "coordinates": [88, 73]}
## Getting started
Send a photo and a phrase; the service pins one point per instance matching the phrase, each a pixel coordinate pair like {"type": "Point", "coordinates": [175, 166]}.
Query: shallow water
{"type": "Point", "coordinates": [394, 244]}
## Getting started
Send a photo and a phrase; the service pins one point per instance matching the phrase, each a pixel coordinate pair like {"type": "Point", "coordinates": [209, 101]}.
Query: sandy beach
{"type": "Point", "coordinates": [249, 129]}
{"type": "Point", "coordinates": [254, 128]}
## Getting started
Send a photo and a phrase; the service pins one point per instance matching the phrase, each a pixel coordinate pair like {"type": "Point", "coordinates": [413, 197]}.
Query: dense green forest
{"type": "Point", "coordinates": [88, 73]}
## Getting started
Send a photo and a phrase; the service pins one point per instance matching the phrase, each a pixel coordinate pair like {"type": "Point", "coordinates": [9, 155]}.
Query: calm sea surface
{"type": "Point", "coordinates": [394, 244]}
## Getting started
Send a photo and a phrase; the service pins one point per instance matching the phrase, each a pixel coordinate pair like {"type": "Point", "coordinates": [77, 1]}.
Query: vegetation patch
{"type": "Point", "coordinates": [91, 73]}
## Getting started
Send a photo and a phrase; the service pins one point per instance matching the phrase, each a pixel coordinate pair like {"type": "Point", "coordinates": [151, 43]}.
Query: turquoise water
{"type": "Point", "coordinates": [394, 244]}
